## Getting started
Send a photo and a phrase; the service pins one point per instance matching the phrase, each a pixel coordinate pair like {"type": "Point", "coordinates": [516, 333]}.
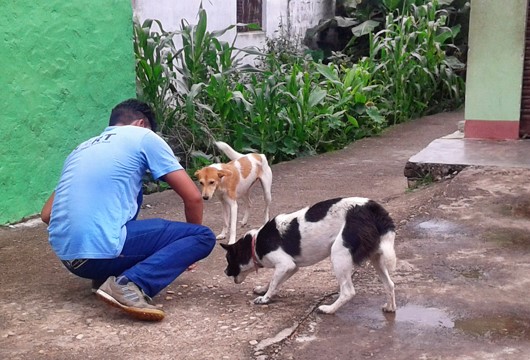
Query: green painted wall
{"type": "Point", "coordinates": [495, 60]}
{"type": "Point", "coordinates": [63, 66]}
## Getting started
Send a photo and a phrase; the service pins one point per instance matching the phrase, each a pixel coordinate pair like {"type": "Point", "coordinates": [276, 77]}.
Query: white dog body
{"type": "Point", "coordinates": [232, 182]}
{"type": "Point", "coordinates": [349, 230]}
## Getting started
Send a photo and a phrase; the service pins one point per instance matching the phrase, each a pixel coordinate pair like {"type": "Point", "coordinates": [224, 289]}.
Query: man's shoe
{"type": "Point", "coordinates": [129, 298]}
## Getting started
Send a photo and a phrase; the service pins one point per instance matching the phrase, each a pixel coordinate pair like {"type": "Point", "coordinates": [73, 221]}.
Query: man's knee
{"type": "Point", "coordinates": [207, 238]}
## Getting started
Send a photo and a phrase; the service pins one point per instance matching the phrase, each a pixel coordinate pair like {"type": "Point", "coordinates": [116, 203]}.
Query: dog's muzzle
{"type": "Point", "coordinates": [240, 278]}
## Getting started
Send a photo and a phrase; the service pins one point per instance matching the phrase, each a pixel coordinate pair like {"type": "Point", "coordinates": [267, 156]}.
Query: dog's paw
{"type": "Point", "coordinates": [221, 236]}
{"type": "Point", "coordinates": [260, 290]}
{"type": "Point", "coordinates": [325, 309]}
{"type": "Point", "coordinates": [261, 300]}
{"type": "Point", "coordinates": [389, 308]}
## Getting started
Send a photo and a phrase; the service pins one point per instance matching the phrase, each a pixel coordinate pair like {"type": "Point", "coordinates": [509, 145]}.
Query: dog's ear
{"type": "Point", "coordinates": [225, 246]}
{"type": "Point", "coordinates": [197, 173]}
{"type": "Point", "coordinates": [222, 173]}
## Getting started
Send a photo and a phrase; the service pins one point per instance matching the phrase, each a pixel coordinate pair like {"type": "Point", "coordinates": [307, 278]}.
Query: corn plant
{"type": "Point", "coordinates": [409, 64]}
{"type": "Point", "coordinates": [154, 78]}
{"type": "Point", "coordinates": [353, 100]}
{"type": "Point", "coordinates": [262, 129]}
{"type": "Point", "coordinates": [292, 106]}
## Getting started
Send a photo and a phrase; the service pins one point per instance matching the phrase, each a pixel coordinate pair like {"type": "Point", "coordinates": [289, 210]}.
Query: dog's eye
{"type": "Point", "coordinates": [212, 182]}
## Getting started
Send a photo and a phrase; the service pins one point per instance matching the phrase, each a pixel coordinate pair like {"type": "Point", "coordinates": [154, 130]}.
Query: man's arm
{"type": "Point", "coordinates": [46, 211]}
{"type": "Point", "coordinates": [184, 186]}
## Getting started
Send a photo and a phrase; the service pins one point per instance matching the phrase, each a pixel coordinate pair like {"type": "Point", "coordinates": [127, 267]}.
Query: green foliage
{"type": "Point", "coordinates": [154, 78]}
{"type": "Point", "coordinates": [426, 180]}
{"type": "Point", "coordinates": [292, 104]}
{"type": "Point", "coordinates": [300, 108]}
{"type": "Point", "coordinates": [181, 83]}
{"type": "Point", "coordinates": [349, 30]}
{"type": "Point", "coordinates": [408, 62]}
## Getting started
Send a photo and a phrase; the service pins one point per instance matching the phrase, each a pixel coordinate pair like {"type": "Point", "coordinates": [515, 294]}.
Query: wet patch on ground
{"type": "Point", "coordinates": [414, 315]}
{"type": "Point", "coordinates": [416, 318]}
{"type": "Point", "coordinates": [437, 226]}
{"type": "Point", "coordinates": [423, 316]}
{"type": "Point", "coordinates": [509, 238]}
{"type": "Point", "coordinates": [495, 327]}
{"type": "Point", "coordinates": [473, 272]}
{"type": "Point", "coordinates": [514, 206]}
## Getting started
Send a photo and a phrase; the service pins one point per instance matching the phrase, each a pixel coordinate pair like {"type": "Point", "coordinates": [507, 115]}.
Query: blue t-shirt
{"type": "Point", "coordinates": [98, 190]}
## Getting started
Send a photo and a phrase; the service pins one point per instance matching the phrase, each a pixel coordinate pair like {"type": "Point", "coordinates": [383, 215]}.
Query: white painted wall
{"type": "Point", "coordinates": [304, 14]}
{"type": "Point", "coordinates": [294, 15]}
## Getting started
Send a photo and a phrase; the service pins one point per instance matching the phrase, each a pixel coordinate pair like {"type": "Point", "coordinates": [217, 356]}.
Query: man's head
{"type": "Point", "coordinates": [133, 112]}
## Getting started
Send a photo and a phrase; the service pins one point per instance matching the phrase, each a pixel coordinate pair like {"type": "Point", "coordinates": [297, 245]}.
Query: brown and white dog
{"type": "Point", "coordinates": [349, 230]}
{"type": "Point", "coordinates": [232, 182]}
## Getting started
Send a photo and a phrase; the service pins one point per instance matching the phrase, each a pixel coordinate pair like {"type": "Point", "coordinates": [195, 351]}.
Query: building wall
{"type": "Point", "coordinates": [495, 68]}
{"type": "Point", "coordinates": [304, 14]}
{"type": "Point", "coordinates": [294, 16]}
{"type": "Point", "coordinates": [64, 65]}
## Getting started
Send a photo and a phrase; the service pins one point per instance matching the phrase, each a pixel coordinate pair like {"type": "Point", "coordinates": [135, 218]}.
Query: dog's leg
{"type": "Point", "coordinates": [226, 219]}
{"type": "Point", "coordinates": [342, 267]}
{"type": "Point", "coordinates": [266, 185]}
{"type": "Point", "coordinates": [282, 272]}
{"type": "Point", "coordinates": [246, 205]}
{"type": "Point", "coordinates": [232, 204]}
{"type": "Point", "coordinates": [379, 262]}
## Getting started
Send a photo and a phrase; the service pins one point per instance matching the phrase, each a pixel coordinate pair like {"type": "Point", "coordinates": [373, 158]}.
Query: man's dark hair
{"type": "Point", "coordinates": [130, 110]}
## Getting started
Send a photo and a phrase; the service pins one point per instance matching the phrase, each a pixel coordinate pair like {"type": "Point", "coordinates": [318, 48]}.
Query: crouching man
{"type": "Point", "coordinates": [92, 214]}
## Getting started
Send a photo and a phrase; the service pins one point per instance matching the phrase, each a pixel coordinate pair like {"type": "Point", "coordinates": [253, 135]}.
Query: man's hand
{"type": "Point", "coordinates": [46, 211]}
{"type": "Point", "coordinates": [184, 186]}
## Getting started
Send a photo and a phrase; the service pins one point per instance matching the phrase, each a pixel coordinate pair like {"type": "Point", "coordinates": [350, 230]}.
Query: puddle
{"type": "Point", "coordinates": [423, 316]}
{"type": "Point", "coordinates": [437, 226]}
{"type": "Point", "coordinates": [409, 314]}
{"type": "Point", "coordinates": [417, 318]}
{"type": "Point", "coordinates": [495, 327]}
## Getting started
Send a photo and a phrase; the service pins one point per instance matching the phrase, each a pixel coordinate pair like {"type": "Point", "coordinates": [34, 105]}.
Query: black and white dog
{"type": "Point", "coordinates": [350, 230]}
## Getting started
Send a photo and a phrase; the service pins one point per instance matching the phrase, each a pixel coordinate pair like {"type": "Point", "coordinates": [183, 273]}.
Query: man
{"type": "Point", "coordinates": [92, 214]}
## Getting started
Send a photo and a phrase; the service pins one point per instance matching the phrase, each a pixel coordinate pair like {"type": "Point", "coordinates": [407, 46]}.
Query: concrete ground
{"type": "Point", "coordinates": [462, 283]}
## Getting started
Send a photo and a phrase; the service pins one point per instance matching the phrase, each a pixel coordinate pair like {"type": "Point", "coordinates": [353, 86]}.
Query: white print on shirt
{"type": "Point", "coordinates": [97, 140]}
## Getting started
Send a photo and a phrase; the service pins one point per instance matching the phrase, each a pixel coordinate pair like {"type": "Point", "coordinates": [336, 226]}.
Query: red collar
{"type": "Point", "coordinates": [257, 265]}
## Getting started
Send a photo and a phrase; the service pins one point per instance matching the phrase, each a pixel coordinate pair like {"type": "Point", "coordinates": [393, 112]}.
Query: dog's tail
{"type": "Point", "coordinates": [228, 151]}
{"type": "Point", "coordinates": [386, 247]}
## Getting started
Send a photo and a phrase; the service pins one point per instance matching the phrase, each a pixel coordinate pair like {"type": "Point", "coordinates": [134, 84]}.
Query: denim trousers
{"type": "Point", "coordinates": [155, 253]}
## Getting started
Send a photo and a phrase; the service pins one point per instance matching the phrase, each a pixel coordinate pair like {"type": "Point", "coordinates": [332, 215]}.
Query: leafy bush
{"type": "Point", "coordinates": [296, 107]}
{"type": "Point", "coordinates": [349, 30]}
{"type": "Point", "coordinates": [179, 82]}
{"type": "Point", "coordinates": [291, 105]}
{"type": "Point", "coordinates": [408, 63]}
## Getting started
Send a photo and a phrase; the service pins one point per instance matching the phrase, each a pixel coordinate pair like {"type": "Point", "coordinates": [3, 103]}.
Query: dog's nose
{"type": "Point", "coordinates": [205, 197]}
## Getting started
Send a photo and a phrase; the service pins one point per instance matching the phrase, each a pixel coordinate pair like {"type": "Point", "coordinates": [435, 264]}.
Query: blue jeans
{"type": "Point", "coordinates": [155, 253]}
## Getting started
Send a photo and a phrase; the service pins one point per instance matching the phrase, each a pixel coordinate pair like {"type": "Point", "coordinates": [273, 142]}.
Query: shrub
{"type": "Point", "coordinates": [409, 64]}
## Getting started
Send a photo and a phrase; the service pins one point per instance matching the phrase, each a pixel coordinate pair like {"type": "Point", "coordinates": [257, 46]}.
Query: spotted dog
{"type": "Point", "coordinates": [349, 230]}
{"type": "Point", "coordinates": [232, 182]}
